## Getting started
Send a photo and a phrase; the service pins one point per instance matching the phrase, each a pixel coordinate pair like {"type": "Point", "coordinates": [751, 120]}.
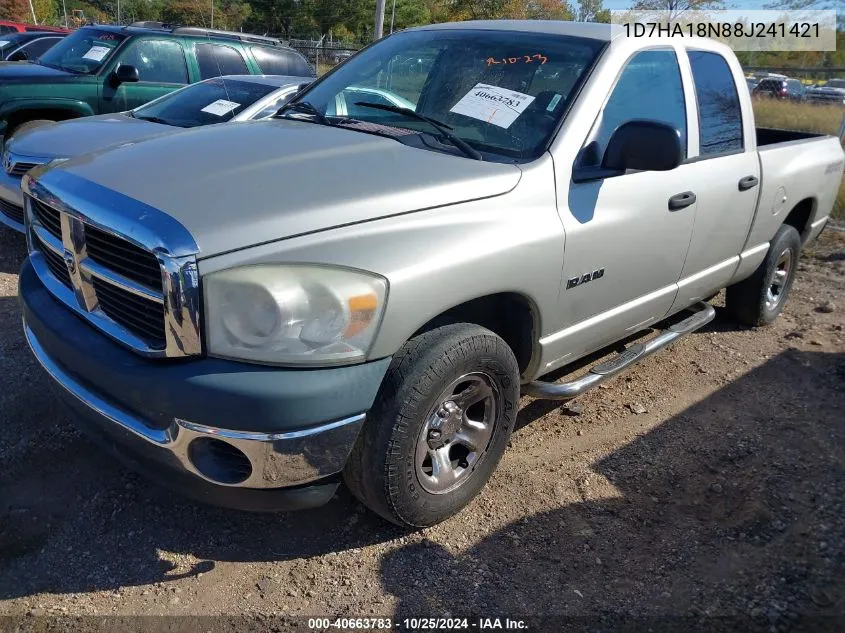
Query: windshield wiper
{"type": "Point", "coordinates": [305, 108]}
{"type": "Point", "coordinates": [458, 142]}
{"type": "Point", "coordinates": [153, 119]}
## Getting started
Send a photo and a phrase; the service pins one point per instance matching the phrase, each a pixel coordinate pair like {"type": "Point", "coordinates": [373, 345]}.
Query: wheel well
{"type": "Point", "coordinates": [23, 116]}
{"type": "Point", "coordinates": [800, 216]}
{"type": "Point", "coordinates": [509, 315]}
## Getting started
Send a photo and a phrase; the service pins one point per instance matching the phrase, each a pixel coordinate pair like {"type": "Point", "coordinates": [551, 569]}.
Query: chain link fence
{"type": "Point", "coordinates": [323, 57]}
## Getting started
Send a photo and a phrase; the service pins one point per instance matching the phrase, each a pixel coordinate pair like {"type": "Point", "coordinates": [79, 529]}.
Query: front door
{"type": "Point", "coordinates": [625, 246]}
{"type": "Point", "coordinates": [161, 68]}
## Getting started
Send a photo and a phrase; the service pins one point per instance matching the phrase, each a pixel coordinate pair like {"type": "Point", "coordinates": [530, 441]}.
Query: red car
{"type": "Point", "coordinates": [19, 27]}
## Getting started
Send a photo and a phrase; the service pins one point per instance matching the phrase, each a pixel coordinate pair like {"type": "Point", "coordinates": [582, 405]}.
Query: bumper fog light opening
{"type": "Point", "coordinates": [219, 461]}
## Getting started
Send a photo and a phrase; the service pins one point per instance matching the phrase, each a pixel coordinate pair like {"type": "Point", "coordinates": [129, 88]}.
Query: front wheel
{"type": "Point", "coordinates": [759, 299]}
{"type": "Point", "coordinates": [439, 426]}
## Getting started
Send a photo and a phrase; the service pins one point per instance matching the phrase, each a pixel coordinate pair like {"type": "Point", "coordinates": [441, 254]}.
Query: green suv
{"type": "Point", "coordinates": [101, 69]}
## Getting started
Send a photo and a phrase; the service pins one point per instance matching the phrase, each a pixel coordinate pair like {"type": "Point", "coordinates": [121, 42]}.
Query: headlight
{"type": "Point", "coordinates": [292, 314]}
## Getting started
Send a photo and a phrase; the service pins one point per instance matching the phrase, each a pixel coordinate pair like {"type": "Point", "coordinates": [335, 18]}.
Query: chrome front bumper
{"type": "Point", "coordinates": [275, 460]}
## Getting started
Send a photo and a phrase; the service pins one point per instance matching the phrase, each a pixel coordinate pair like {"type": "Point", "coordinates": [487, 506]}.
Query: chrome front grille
{"type": "Point", "coordinates": [11, 210]}
{"type": "Point", "coordinates": [124, 258]}
{"type": "Point", "coordinates": [143, 296]}
{"type": "Point", "coordinates": [55, 263]}
{"type": "Point", "coordinates": [142, 316]}
{"type": "Point", "coordinates": [49, 218]}
{"type": "Point", "coordinates": [18, 165]}
{"type": "Point", "coordinates": [19, 169]}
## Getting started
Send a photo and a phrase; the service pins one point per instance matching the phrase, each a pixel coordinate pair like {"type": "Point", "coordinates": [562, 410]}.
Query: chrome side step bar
{"type": "Point", "coordinates": [702, 315]}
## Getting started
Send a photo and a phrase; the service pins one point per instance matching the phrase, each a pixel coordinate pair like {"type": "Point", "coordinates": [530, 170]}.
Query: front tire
{"type": "Point", "coordinates": [439, 426]}
{"type": "Point", "coordinates": [759, 299]}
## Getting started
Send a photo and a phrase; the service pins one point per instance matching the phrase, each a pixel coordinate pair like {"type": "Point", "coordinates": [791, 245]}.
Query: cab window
{"type": "Point", "coordinates": [157, 61]}
{"type": "Point", "coordinates": [216, 59]}
{"type": "Point", "coordinates": [648, 88]}
{"type": "Point", "coordinates": [280, 62]}
{"type": "Point", "coordinates": [719, 114]}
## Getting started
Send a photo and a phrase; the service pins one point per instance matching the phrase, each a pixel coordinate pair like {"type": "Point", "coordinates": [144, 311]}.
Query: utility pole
{"type": "Point", "coordinates": [35, 21]}
{"type": "Point", "coordinates": [118, 11]}
{"type": "Point", "coordinates": [64, 10]}
{"type": "Point", "coordinates": [379, 27]}
{"type": "Point", "coordinates": [392, 16]}
{"type": "Point", "coordinates": [212, 13]}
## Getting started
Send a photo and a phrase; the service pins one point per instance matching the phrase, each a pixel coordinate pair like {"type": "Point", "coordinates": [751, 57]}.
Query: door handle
{"type": "Point", "coordinates": [748, 182]}
{"type": "Point", "coordinates": [681, 200]}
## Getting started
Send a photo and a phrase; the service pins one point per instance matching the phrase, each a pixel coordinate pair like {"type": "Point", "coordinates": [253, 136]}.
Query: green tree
{"type": "Point", "coordinates": [677, 7]}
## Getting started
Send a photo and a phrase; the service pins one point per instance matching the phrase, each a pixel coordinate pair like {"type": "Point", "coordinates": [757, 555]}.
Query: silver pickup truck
{"type": "Point", "coordinates": [360, 290]}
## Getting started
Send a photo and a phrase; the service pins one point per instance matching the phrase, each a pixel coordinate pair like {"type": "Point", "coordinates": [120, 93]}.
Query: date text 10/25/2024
{"type": "Point", "coordinates": [417, 624]}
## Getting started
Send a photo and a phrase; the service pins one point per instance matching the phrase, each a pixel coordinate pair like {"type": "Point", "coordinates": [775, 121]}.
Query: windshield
{"type": "Point", "coordinates": [83, 51]}
{"type": "Point", "coordinates": [210, 101]}
{"type": "Point", "coordinates": [835, 83]}
{"type": "Point", "coordinates": [502, 92]}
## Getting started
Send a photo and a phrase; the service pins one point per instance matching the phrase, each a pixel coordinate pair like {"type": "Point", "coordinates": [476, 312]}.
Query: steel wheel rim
{"type": "Point", "coordinates": [464, 415]}
{"type": "Point", "coordinates": [779, 279]}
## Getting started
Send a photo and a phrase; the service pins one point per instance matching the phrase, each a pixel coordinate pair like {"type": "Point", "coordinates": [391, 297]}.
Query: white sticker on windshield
{"type": "Point", "coordinates": [221, 107]}
{"type": "Point", "coordinates": [492, 104]}
{"type": "Point", "coordinates": [96, 53]}
{"type": "Point", "coordinates": [3, 43]}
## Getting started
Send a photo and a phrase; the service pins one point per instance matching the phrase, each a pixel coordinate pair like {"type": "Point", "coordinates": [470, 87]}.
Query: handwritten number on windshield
{"type": "Point", "coordinates": [525, 59]}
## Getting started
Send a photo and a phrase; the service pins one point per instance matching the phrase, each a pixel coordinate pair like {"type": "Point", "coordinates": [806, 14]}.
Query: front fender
{"type": "Point", "coordinates": [73, 107]}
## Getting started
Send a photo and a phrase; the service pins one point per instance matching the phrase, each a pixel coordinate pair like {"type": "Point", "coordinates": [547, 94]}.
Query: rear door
{"type": "Point", "coordinates": [161, 67]}
{"type": "Point", "coordinates": [724, 160]}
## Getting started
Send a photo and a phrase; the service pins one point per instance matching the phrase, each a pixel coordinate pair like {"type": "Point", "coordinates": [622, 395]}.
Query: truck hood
{"type": "Point", "coordinates": [235, 186]}
{"type": "Point", "coordinates": [87, 134]}
{"type": "Point", "coordinates": [29, 72]}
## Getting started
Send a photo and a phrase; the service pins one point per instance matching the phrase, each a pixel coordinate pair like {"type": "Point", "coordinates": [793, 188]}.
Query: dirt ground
{"type": "Point", "coordinates": [723, 496]}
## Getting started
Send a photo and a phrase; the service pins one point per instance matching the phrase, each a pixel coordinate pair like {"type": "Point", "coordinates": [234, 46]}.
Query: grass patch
{"type": "Point", "coordinates": [806, 118]}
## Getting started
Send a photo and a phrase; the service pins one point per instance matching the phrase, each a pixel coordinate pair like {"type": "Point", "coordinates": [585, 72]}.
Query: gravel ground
{"type": "Point", "coordinates": [709, 481]}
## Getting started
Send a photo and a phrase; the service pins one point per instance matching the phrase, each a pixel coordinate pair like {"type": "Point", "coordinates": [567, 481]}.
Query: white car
{"type": "Point", "coordinates": [216, 100]}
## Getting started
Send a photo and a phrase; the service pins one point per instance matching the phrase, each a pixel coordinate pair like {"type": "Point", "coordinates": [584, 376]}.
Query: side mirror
{"type": "Point", "coordinates": [18, 56]}
{"type": "Point", "coordinates": [124, 74]}
{"type": "Point", "coordinates": [645, 146]}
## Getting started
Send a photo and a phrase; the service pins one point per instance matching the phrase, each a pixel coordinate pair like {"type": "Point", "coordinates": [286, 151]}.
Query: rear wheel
{"type": "Point", "coordinates": [439, 426]}
{"type": "Point", "coordinates": [759, 299]}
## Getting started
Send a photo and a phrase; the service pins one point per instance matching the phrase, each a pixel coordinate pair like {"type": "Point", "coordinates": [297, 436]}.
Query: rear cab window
{"type": "Point", "coordinates": [719, 112]}
{"type": "Point", "coordinates": [215, 60]}
{"type": "Point", "coordinates": [277, 61]}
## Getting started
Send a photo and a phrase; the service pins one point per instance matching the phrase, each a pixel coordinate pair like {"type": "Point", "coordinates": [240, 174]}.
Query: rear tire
{"type": "Point", "coordinates": [439, 425]}
{"type": "Point", "coordinates": [759, 299]}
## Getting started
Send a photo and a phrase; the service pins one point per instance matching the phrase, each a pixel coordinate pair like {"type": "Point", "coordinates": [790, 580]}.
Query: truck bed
{"type": "Point", "coordinates": [771, 136]}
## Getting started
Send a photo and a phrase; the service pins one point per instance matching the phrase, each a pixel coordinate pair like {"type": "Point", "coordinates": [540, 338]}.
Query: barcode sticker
{"type": "Point", "coordinates": [221, 107]}
{"type": "Point", "coordinates": [96, 53]}
{"type": "Point", "coordinates": [493, 104]}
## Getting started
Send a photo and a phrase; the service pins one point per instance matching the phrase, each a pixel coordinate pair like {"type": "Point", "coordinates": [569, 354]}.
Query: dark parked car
{"type": "Point", "coordinates": [832, 92]}
{"type": "Point", "coordinates": [777, 88]}
{"type": "Point", "coordinates": [16, 47]}
{"type": "Point", "coordinates": [751, 82]}
{"type": "Point", "coordinates": [104, 69]}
